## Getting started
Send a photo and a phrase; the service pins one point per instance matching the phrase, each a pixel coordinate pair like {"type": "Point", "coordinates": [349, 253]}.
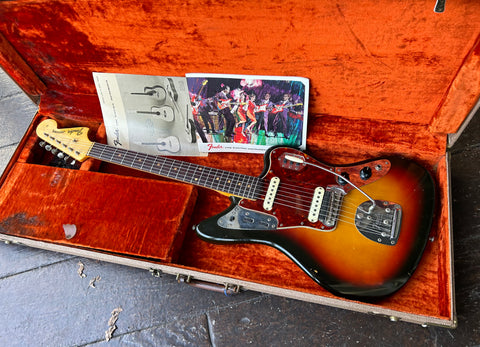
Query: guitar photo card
{"type": "Point", "coordinates": [148, 114]}
{"type": "Point", "coordinates": [245, 113]}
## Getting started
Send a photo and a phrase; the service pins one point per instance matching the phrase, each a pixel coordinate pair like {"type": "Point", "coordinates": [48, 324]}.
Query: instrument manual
{"type": "Point", "coordinates": [202, 113]}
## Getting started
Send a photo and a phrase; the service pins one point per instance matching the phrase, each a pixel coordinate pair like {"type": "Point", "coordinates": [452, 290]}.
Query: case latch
{"type": "Point", "coordinates": [228, 289]}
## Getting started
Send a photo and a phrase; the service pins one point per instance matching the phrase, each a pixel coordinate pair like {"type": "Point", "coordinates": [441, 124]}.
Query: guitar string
{"type": "Point", "coordinates": [309, 192]}
{"type": "Point", "coordinates": [147, 159]}
{"type": "Point", "coordinates": [349, 209]}
{"type": "Point", "coordinates": [258, 194]}
{"type": "Point", "coordinates": [188, 170]}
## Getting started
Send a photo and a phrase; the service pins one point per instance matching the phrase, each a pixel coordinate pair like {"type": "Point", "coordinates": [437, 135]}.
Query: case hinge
{"type": "Point", "coordinates": [155, 272]}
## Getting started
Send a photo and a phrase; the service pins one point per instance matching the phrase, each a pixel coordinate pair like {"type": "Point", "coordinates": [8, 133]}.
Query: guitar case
{"type": "Point", "coordinates": [387, 79]}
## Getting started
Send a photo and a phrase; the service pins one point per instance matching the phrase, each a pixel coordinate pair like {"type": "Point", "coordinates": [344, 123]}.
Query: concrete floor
{"type": "Point", "coordinates": [44, 302]}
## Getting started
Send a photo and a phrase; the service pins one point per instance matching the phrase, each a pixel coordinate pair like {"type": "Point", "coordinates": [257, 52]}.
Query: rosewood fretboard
{"type": "Point", "coordinates": [244, 186]}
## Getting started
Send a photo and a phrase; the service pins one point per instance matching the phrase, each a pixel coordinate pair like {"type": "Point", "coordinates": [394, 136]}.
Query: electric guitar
{"type": "Point", "coordinates": [280, 108]}
{"type": "Point", "coordinates": [357, 230]}
{"type": "Point", "coordinates": [196, 99]}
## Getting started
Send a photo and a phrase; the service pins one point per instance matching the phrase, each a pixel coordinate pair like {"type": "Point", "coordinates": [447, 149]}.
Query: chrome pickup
{"type": "Point", "coordinates": [271, 193]}
{"type": "Point", "coordinates": [316, 204]}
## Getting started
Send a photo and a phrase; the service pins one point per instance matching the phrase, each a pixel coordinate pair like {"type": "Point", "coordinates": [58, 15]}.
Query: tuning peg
{"type": "Point", "coordinates": [48, 147]}
{"type": "Point", "coordinates": [60, 155]}
{"type": "Point", "coordinates": [41, 143]}
{"type": "Point", "coordinates": [72, 163]}
{"type": "Point", "coordinates": [54, 151]}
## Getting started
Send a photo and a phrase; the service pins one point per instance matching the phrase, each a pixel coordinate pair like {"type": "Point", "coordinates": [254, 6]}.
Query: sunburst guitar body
{"type": "Point", "coordinates": [345, 246]}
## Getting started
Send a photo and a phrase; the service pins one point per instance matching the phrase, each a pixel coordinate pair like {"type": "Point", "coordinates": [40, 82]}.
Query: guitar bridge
{"type": "Point", "coordinates": [382, 224]}
{"type": "Point", "coordinates": [331, 205]}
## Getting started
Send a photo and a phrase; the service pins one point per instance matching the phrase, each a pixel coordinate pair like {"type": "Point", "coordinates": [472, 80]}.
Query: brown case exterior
{"type": "Point", "coordinates": [357, 57]}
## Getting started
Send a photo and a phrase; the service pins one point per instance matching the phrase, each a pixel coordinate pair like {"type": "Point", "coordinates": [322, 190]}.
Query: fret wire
{"type": "Point", "coordinates": [235, 184]}
{"type": "Point", "coordinates": [249, 186]}
{"type": "Point", "coordinates": [208, 179]}
{"type": "Point", "coordinates": [153, 164]}
{"type": "Point", "coordinates": [125, 158]}
{"type": "Point", "coordinates": [143, 163]}
{"type": "Point", "coordinates": [246, 191]}
{"type": "Point", "coordinates": [133, 160]}
{"type": "Point", "coordinates": [187, 172]}
{"type": "Point", "coordinates": [159, 167]}
{"type": "Point", "coordinates": [215, 180]}
{"type": "Point", "coordinates": [230, 182]}
{"type": "Point", "coordinates": [193, 176]}
{"type": "Point", "coordinates": [163, 164]}
{"type": "Point", "coordinates": [201, 174]}
{"type": "Point", "coordinates": [225, 182]}
{"type": "Point", "coordinates": [174, 174]}
{"type": "Point", "coordinates": [140, 161]}
{"type": "Point", "coordinates": [171, 166]}
{"type": "Point", "coordinates": [242, 185]}
{"type": "Point", "coordinates": [256, 185]}
{"type": "Point", "coordinates": [179, 169]}
{"type": "Point", "coordinates": [103, 149]}
{"type": "Point", "coordinates": [113, 153]}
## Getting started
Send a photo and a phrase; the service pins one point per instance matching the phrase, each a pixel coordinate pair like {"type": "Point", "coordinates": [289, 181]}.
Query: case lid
{"type": "Point", "coordinates": [386, 61]}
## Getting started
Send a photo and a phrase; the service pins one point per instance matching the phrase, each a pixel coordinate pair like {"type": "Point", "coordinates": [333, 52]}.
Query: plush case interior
{"type": "Point", "coordinates": [386, 78]}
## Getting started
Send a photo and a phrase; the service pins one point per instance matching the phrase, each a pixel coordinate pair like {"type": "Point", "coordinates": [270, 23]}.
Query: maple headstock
{"type": "Point", "coordinates": [71, 141]}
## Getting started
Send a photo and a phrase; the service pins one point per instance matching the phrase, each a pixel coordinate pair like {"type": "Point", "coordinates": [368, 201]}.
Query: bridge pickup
{"type": "Point", "coordinates": [271, 193]}
{"type": "Point", "coordinates": [316, 204]}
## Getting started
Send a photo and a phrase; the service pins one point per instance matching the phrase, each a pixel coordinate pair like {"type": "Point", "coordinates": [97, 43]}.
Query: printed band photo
{"type": "Point", "coordinates": [242, 113]}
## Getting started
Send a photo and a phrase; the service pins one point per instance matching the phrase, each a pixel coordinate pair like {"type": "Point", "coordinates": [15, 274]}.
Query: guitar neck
{"type": "Point", "coordinates": [231, 183]}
